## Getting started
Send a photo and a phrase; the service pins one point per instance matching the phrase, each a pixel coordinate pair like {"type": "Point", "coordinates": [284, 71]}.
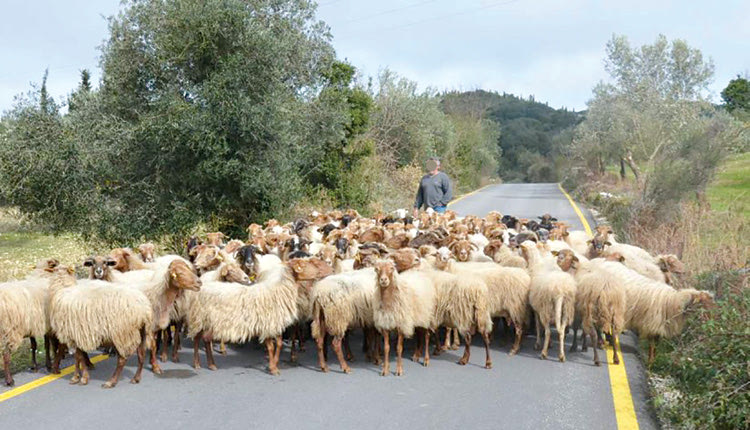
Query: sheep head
{"type": "Point", "coordinates": [615, 256]}
{"type": "Point", "coordinates": [231, 272]}
{"type": "Point", "coordinates": [385, 270]}
{"type": "Point", "coordinates": [566, 259]}
{"type": "Point", "coordinates": [182, 276]}
{"type": "Point", "coordinates": [215, 238]}
{"type": "Point", "coordinates": [233, 245]}
{"type": "Point", "coordinates": [443, 258]}
{"type": "Point", "coordinates": [328, 254]}
{"type": "Point", "coordinates": [208, 258]}
{"type": "Point", "coordinates": [462, 249]}
{"type": "Point", "coordinates": [406, 258]}
{"type": "Point", "coordinates": [146, 250]}
{"type": "Point", "coordinates": [50, 263]}
{"type": "Point", "coordinates": [121, 256]}
{"type": "Point", "coordinates": [247, 257]}
{"type": "Point", "coordinates": [670, 263]}
{"type": "Point", "coordinates": [493, 247]}
{"type": "Point", "coordinates": [309, 269]}
{"type": "Point", "coordinates": [99, 267]}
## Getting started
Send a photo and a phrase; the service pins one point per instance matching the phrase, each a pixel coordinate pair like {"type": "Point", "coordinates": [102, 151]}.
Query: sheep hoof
{"type": "Point", "coordinates": [384, 373]}
{"type": "Point", "coordinates": [109, 384]}
{"type": "Point", "coordinates": [597, 363]}
{"type": "Point", "coordinates": [426, 362]}
{"type": "Point", "coordinates": [415, 358]}
{"type": "Point", "coordinates": [10, 382]}
{"type": "Point", "coordinates": [324, 369]}
{"type": "Point", "coordinates": [274, 372]}
{"type": "Point", "coordinates": [84, 381]}
{"type": "Point", "coordinates": [135, 381]}
{"type": "Point", "coordinates": [454, 348]}
{"type": "Point", "coordinates": [399, 372]}
{"type": "Point", "coordinates": [584, 349]}
{"type": "Point", "coordinates": [157, 370]}
{"type": "Point", "coordinates": [543, 356]}
{"type": "Point", "coordinates": [196, 366]}
{"type": "Point", "coordinates": [562, 358]}
{"type": "Point", "coordinates": [212, 367]}
{"type": "Point", "coordinates": [513, 352]}
{"type": "Point", "coordinates": [536, 347]}
{"type": "Point", "coordinates": [462, 362]}
{"type": "Point", "coordinates": [74, 380]}
{"type": "Point", "coordinates": [488, 365]}
{"type": "Point", "coordinates": [175, 359]}
{"type": "Point", "coordinates": [346, 370]}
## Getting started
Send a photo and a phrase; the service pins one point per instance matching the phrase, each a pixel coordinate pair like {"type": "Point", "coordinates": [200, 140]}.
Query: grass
{"type": "Point", "coordinates": [730, 191]}
{"type": "Point", "coordinates": [21, 247]}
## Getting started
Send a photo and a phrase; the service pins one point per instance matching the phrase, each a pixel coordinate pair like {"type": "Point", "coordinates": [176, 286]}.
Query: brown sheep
{"type": "Point", "coordinates": [100, 267]}
{"type": "Point", "coordinates": [147, 252]}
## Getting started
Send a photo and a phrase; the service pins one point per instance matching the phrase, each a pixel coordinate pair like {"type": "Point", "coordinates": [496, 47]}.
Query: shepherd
{"type": "Point", "coordinates": [435, 189]}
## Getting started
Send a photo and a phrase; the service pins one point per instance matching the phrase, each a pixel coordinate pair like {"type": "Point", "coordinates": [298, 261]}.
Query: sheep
{"type": "Point", "coordinates": [403, 302]}
{"type": "Point", "coordinates": [464, 250]}
{"type": "Point", "coordinates": [507, 289]}
{"type": "Point", "coordinates": [232, 246]}
{"type": "Point", "coordinates": [100, 268]}
{"type": "Point", "coordinates": [600, 299]}
{"type": "Point", "coordinates": [669, 264]}
{"type": "Point", "coordinates": [125, 260]}
{"type": "Point", "coordinates": [89, 313]}
{"type": "Point", "coordinates": [146, 251]}
{"type": "Point", "coordinates": [305, 271]}
{"type": "Point", "coordinates": [341, 301]}
{"type": "Point", "coordinates": [236, 313]}
{"type": "Point", "coordinates": [209, 257]}
{"type": "Point", "coordinates": [552, 296]}
{"type": "Point", "coordinates": [24, 312]}
{"type": "Point", "coordinates": [654, 309]}
{"type": "Point", "coordinates": [635, 258]}
{"type": "Point", "coordinates": [215, 238]}
{"type": "Point", "coordinates": [192, 243]}
{"type": "Point", "coordinates": [577, 240]}
{"type": "Point", "coordinates": [502, 255]}
{"type": "Point", "coordinates": [227, 271]}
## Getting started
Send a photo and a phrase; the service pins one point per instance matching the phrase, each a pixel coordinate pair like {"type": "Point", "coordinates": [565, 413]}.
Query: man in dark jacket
{"type": "Point", "coordinates": [435, 189]}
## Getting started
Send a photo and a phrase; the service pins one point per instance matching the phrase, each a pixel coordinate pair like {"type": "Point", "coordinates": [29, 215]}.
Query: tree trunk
{"type": "Point", "coordinates": [622, 169]}
{"type": "Point", "coordinates": [629, 160]}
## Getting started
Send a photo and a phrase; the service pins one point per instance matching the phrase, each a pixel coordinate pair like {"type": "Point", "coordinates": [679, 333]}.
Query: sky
{"type": "Point", "coordinates": [553, 50]}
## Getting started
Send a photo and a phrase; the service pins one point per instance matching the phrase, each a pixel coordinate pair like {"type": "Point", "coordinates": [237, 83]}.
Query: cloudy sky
{"type": "Point", "coordinates": [553, 50]}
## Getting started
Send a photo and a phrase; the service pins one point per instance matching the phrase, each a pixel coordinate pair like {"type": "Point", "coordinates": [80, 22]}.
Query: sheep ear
{"type": "Point", "coordinates": [88, 263]}
{"type": "Point", "coordinates": [298, 268]}
{"type": "Point", "coordinates": [622, 258]}
{"type": "Point", "coordinates": [555, 253]}
{"type": "Point", "coordinates": [566, 234]}
{"type": "Point", "coordinates": [71, 270]}
{"type": "Point", "coordinates": [553, 219]}
{"type": "Point", "coordinates": [110, 262]}
{"type": "Point", "coordinates": [607, 243]}
{"type": "Point", "coordinates": [49, 269]}
{"type": "Point", "coordinates": [575, 258]}
{"type": "Point", "coordinates": [173, 275]}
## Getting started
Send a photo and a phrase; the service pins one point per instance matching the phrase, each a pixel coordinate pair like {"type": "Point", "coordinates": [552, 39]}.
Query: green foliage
{"type": "Point", "coordinates": [737, 94]}
{"type": "Point", "coordinates": [708, 363]}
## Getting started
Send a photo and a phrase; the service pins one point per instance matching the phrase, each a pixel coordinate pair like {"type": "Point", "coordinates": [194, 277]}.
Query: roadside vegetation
{"type": "Point", "coordinates": [671, 172]}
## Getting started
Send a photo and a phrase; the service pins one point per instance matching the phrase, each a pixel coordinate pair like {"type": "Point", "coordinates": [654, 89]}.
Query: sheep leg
{"type": "Point", "coordinates": [118, 370]}
{"type": "Point", "coordinates": [574, 345]}
{"type": "Point", "coordinates": [293, 338]}
{"type": "Point", "coordinates": [6, 367]}
{"type": "Point", "coordinates": [651, 351]}
{"type": "Point", "coordinates": [34, 366]}
{"type": "Point", "coordinates": [208, 346]}
{"type": "Point", "coordinates": [375, 347]}
{"type": "Point", "coordinates": [487, 341]}
{"type": "Point", "coordinates": [279, 345]}
{"type": "Point", "coordinates": [584, 347]}
{"type": "Point", "coordinates": [141, 354]}
{"type": "Point", "coordinates": [59, 353]}
{"type": "Point", "coordinates": [176, 343]}
{"type": "Point", "coordinates": [47, 355]}
{"type": "Point", "coordinates": [347, 349]}
{"type": "Point", "coordinates": [519, 336]}
{"type": "Point", "coordinates": [561, 336]}
{"type": "Point", "coordinates": [399, 353]}
{"type": "Point", "coordinates": [337, 340]}
{"type": "Point", "coordinates": [155, 364]}
{"type": "Point", "coordinates": [222, 348]}
{"type": "Point", "coordinates": [594, 338]}
{"type": "Point", "coordinates": [270, 344]}
{"type": "Point", "coordinates": [538, 325]}
{"type": "Point", "coordinates": [615, 343]}
{"type": "Point", "coordinates": [546, 341]}
{"type": "Point", "coordinates": [77, 366]}
{"type": "Point", "coordinates": [467, 349]}
{"type": "Point", "coordinates": [320, 344]}
{"type": "Point", "coordinates": [167, 340]}
{"type": "Point", "coordinates": [81, 355]}
{"type": "Point", "coordinates": [386, 353]}
{"type": "Point", "coordinates": [426, 348]}
{"type": "Point", "coordinates": [417, 345]}
{"type": "Point", "coordinates": [456, 340]}
{"type": "Point", "coordinates": [196, 346]}
{"type": "Point", "coordinates": [447, 344]}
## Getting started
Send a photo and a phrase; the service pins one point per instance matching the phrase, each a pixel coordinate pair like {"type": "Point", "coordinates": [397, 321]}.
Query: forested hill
{"type": "Point", "coordinates": [532, 137]}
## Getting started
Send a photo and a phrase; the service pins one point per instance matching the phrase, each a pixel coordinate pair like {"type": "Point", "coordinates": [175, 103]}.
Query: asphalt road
{"type": "Point", "coordinates": [521, 392]}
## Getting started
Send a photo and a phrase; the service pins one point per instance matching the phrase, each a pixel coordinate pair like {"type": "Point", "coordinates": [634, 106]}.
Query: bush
{"type": "Point", "coordinates": [707, 366]}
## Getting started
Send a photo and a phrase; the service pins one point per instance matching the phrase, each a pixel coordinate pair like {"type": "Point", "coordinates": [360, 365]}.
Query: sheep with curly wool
{"type": "Point", "coordinates": [600, 299]}
{"type": "Point", "coordinates": [552, 295]}
{"type": "Point", "coordinates": [403, 302]}
{"type": "Point", "coordinates": [237, 313]}
{"type": "Point", "coordinates": [507, 289]}
{"type": "Point", "coordinates": [341, 301]}
{"type": "Point", "coordinates": [654, 309]}
{"type": "Point", "coordinates": [636, 258]}
{"type": "Point", "coordinates": [87, 314]}
{"type": "Point", "coordinates": [502, 254]}
{"type": "Point", "coordinates": [24, 313]}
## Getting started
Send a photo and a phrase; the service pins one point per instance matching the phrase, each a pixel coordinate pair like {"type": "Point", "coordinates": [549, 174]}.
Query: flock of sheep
{"type": "Point", "coordinates": [335, 272]}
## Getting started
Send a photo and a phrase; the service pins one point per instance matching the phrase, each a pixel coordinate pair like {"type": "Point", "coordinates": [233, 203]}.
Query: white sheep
{"type": "Point", "coordinates": [237, 313]}
{"type": "Point", "coordinates": [502, 254]}
{"type": "Point", "coordinates": [341, 301]}
{"type": "Point", "coordinates": [636, 259]}
{"type": "Point", "coordinates": [600, 299]}
{"type": "Point", "coordinates": [403, 302]}
{"type": "Point", "coordinates": [552, 296]}
{"type": "Point", "coordinates": [577, 240]}
{"type": "Point", "coordinates": [89, 313]}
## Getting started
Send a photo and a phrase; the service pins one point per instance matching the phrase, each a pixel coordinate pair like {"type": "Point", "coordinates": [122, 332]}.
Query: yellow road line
{"type": "Point", "coordinates": [578, 211]}
{"type": "Point", "coordinates": [618, 377]}
{"type": "Point", "coordinates": [44, 380]}
{"type": "Point", "coordinates": [469, 194]}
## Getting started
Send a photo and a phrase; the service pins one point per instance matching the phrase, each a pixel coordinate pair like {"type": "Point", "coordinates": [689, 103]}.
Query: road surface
{"type": "Point", "coordinates": [521, 392]}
